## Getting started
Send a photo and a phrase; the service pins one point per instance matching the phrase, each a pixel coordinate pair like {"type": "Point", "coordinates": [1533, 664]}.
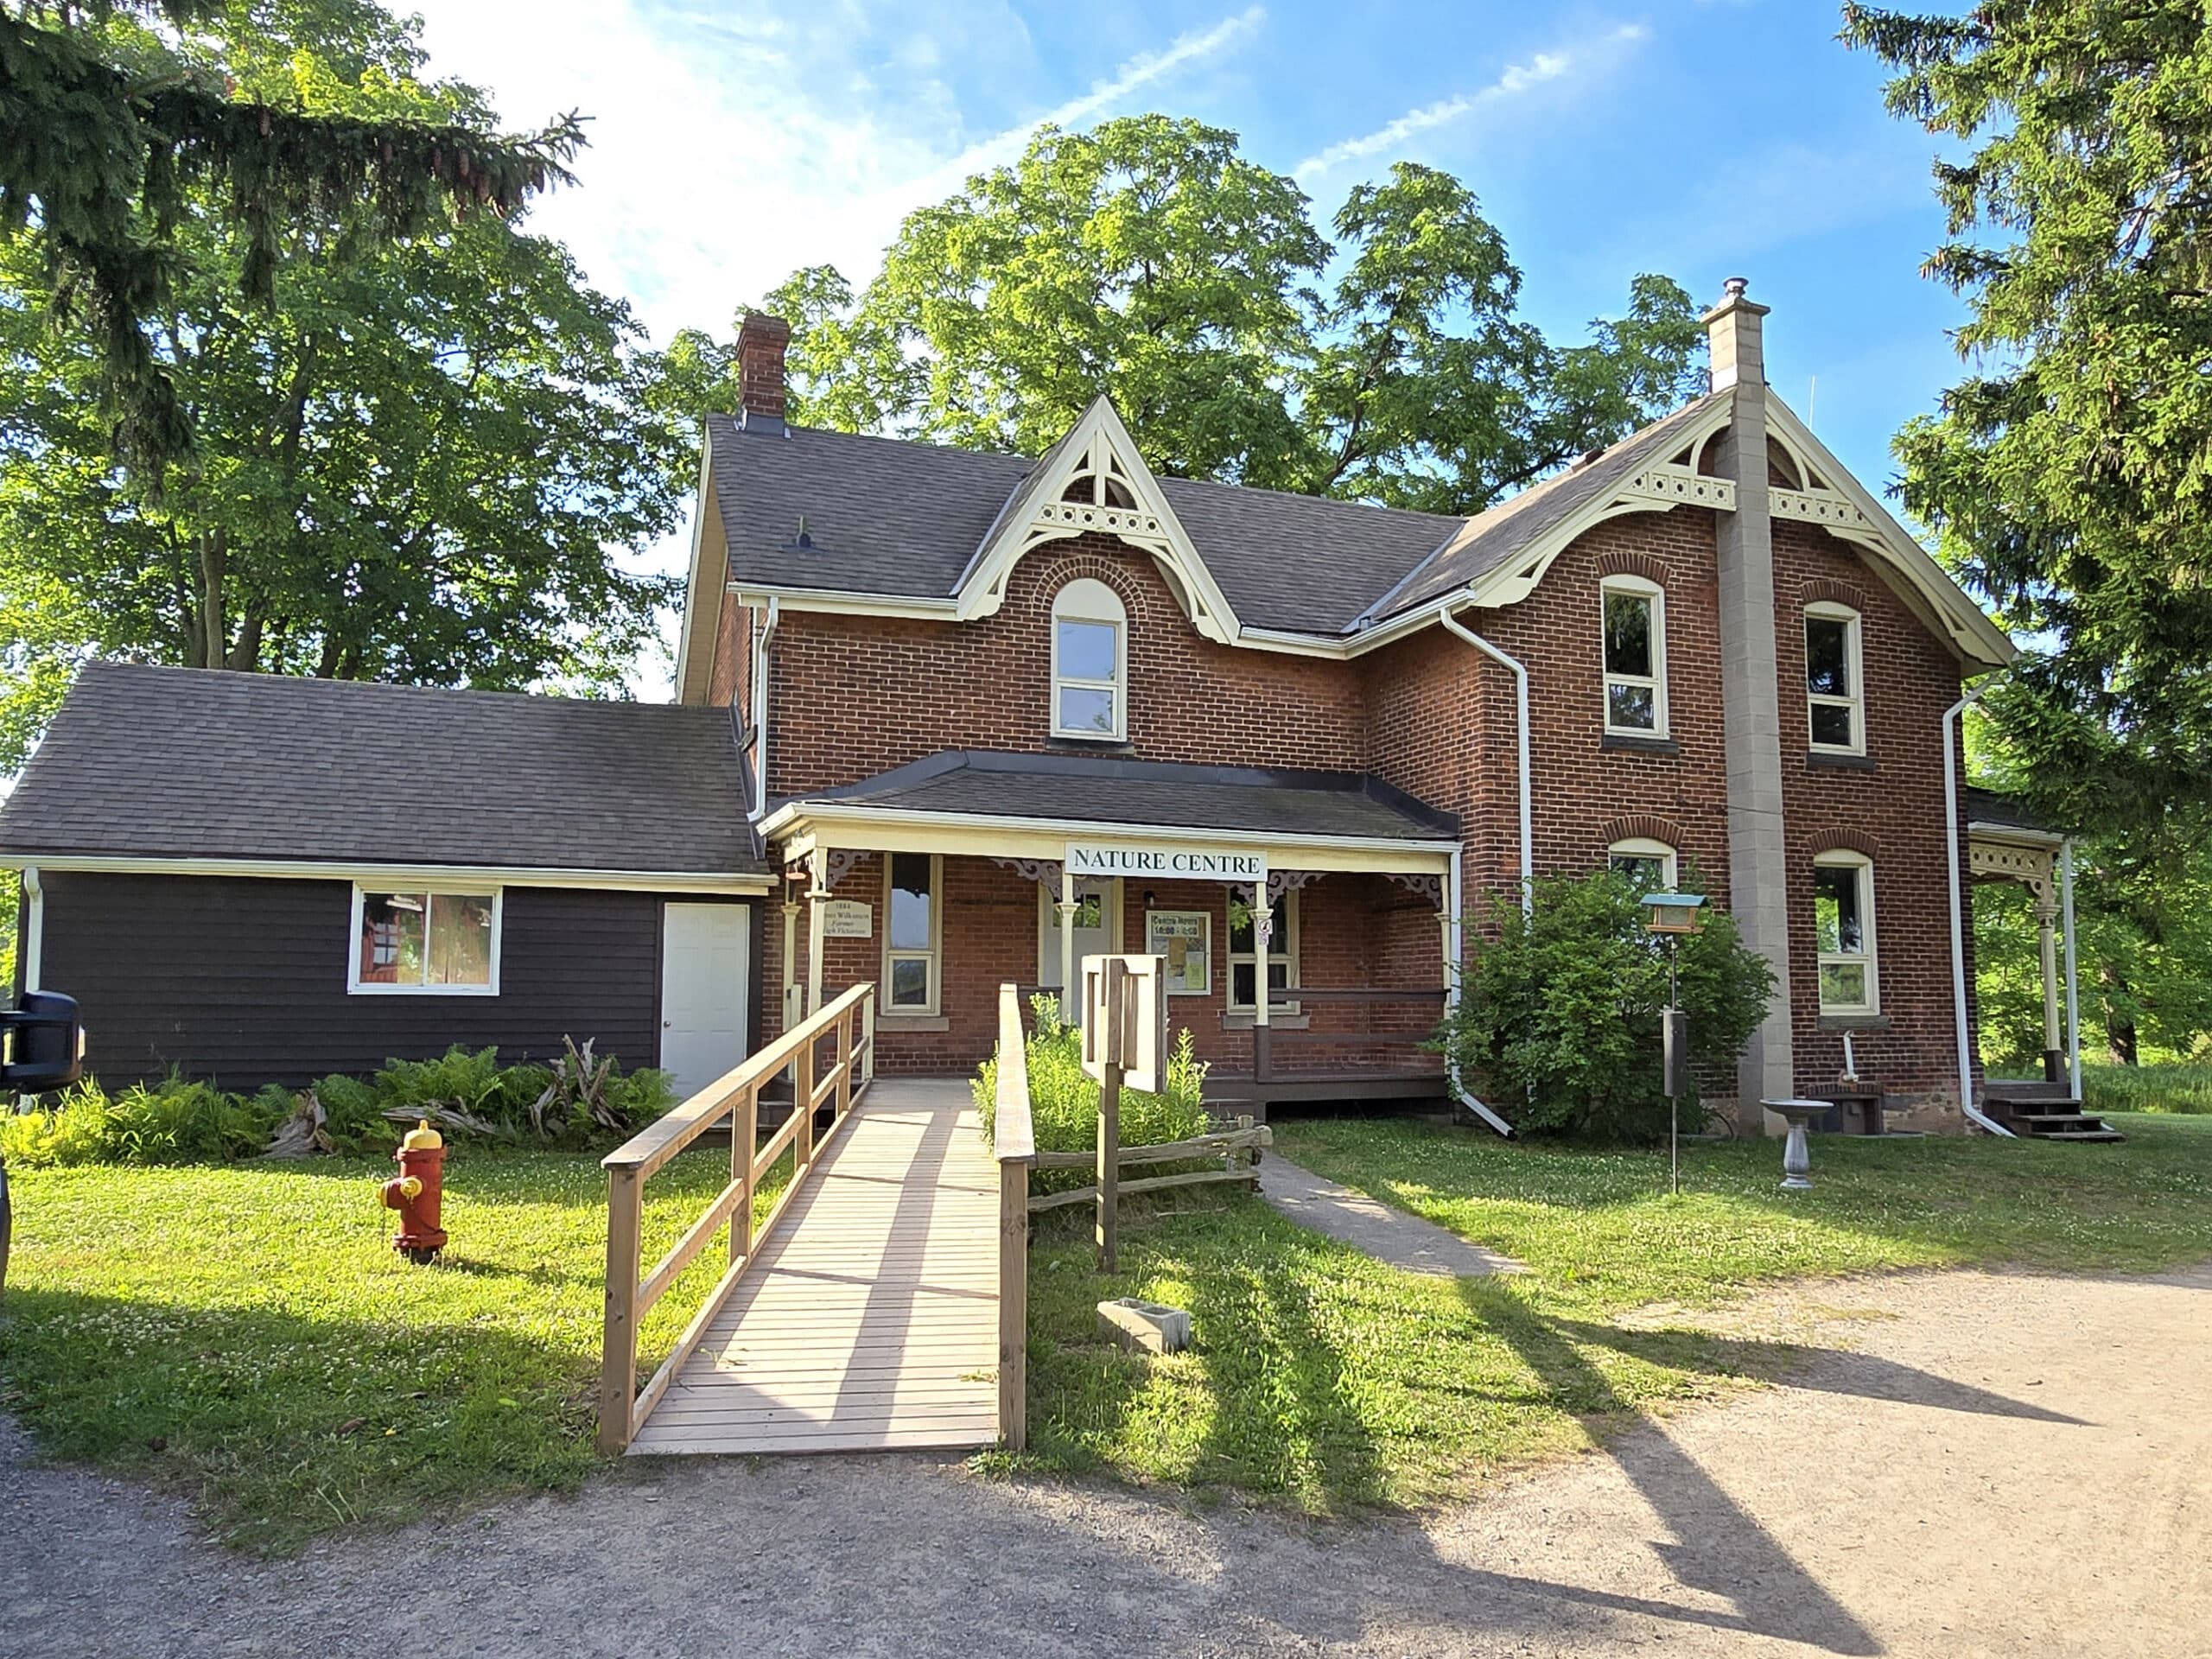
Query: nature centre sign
{"type": "Point", "coordinates": [1191, 861]}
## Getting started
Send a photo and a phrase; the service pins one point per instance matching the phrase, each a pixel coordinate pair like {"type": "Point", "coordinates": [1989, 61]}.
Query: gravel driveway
{"type": "Point", "coordinates": [1971, 1463]}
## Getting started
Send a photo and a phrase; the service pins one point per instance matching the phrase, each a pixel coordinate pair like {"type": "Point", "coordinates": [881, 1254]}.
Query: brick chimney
{"type": "Point", "coordinates": [761, 341]}
{"type": "Point", "coordinates": [1751, 703]}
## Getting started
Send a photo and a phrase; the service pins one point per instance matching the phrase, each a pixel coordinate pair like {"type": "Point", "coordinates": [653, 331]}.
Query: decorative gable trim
{"type": "Point", "coordinates": [1840, 503]}
{"type": "Point", "coordinates": [1094, 480]}
{"type": "Point", "coordinates": [1674, 483]}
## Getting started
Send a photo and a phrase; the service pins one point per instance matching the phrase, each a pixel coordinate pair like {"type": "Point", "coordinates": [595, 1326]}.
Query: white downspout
{"type": "Point", "coordinates": [33, 927]}
{"type": "Point", "coordinates": [1974, 1113]}
{"type": "Point", "coordinates": [760, 644]}
{"type": "Point", "coordinates": [1453, 897]}
{"type": "Point", "coordinates": [2073, 997]}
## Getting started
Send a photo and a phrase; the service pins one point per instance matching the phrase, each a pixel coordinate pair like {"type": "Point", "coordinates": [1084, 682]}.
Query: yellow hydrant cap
{"type": "Point", "coordinates": [422, 1137]}
{"type": "Point", "coordinates": [411, 1185]}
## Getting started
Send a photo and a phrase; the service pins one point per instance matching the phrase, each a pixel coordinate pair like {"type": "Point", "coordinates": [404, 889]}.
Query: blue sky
{"type": "Point", "coordinates": [1703, 138]}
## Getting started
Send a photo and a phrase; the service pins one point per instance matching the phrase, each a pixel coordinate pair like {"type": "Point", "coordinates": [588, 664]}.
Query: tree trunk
{"type": "Point", "coordinates": [211, 648]}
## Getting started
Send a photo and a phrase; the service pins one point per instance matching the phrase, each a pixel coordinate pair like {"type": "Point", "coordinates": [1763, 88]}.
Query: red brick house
{"type": "Point", "coordinates": [999, 714]}
{"type": "Point", "coordinates": [947, 719]}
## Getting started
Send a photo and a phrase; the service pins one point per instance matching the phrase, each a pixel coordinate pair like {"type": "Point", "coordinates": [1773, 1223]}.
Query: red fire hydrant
{"type": "Point", "coordinates": [415, 1193]}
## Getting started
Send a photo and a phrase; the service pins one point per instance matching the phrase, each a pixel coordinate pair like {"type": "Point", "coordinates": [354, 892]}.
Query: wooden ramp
{"type": "Point", "coordinates": [870, 1320]}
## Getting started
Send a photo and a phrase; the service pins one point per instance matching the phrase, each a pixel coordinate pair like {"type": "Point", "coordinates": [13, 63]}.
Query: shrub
{"type": "Point", "coordinates": [1064, 1102]}
{"type": "Point", "coordinates": [1559, 1010]}
{"type": "Point", "coordinates": [2179, 1087]}
{"type": "Point", "coordinates": [172, 1122]}
{"type": "Point", "coordinates": [464, 1091]}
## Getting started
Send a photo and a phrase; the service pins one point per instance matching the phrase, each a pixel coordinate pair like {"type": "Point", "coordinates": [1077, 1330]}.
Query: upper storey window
{"type": "Point", "coordinates": [1091, 661]}
{"type": "Point", "coordinates": [1635, 626]}
{"type": "Point", "coordinates": [1834, 685]}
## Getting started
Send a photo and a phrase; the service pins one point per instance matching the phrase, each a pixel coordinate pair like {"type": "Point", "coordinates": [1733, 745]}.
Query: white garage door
{"type": "Point", "coordinates": [705, 988]}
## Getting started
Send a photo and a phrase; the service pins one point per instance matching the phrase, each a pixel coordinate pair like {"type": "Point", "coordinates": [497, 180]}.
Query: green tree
{"type": "Point", "coordinates": [1560, 1009]}
{"type": "Point", "coordinates": [412, 462]}
{"type": "Point", "coordinates": [1149, 259]}
{"type": "Point", "coordinates": [2068, 475]}
{"type": "Point", "coordinates": [120, 122]}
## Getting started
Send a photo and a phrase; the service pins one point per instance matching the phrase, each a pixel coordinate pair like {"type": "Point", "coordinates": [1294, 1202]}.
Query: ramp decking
{"type": "Point", "coordinates": [870, 1321]}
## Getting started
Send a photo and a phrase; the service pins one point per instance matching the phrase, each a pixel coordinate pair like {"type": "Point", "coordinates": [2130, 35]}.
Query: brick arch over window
{"type": "Point", "coordinates": [1846, 840]}
{"type": "Point", "coordinates": [1639, 826]}
{"type": "Point", "coordinates": [1623, 562]}
{"type": "Point", "coordinates": [1102, 558]}
{"type": "Point", "coordinates": [1816, 590]}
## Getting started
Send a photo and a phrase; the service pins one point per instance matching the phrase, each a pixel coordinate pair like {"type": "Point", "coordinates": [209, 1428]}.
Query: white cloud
{"type": "Point", "coordinates": [729, 147]}
{"type": "Point", "coordinates": [1517, 80]}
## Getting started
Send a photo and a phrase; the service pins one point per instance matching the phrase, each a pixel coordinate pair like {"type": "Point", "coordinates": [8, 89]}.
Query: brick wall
{"type": "Point", "coordinates": [1890, 809]}
{"type": "Point", "coordinates": [853, 695]}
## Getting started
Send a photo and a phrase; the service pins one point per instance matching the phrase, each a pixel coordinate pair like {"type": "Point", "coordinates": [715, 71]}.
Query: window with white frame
{"type": "Point", "coordinates": [421, 940]}
{"type": "Point", "coordinates": [1243, 957]}
{"type": "Point", "coordinates": [1843, 933]}
{"type": "Point", "coordinates": [1834, 683]}
{"type": "Point", "coordinates": [913, 931]}
{"type": "Point", "coordinates": [1091, 664]}
{"type": "Point", "coordinates": [1635, 644]}
{"type": "Point", "coordinates": [1646, 865]}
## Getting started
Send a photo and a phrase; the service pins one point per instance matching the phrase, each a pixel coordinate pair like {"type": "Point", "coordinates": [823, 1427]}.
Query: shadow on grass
{"type": "Point", "coordinates": [279, 1426]}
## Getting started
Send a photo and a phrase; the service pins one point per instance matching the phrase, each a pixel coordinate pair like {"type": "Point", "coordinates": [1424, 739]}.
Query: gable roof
{"type": "Point", "coordinates": [199, 763]}
{"type": "Point", "coordinates": [892, 518]}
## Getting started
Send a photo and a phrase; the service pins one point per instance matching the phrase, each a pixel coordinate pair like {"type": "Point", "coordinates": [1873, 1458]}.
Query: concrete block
{"type": "Point", "coordinates": [1145, 1327]}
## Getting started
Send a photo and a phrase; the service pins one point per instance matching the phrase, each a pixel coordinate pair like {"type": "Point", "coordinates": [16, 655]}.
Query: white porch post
{"type": "Point", "coordinates": [2072, 982]}
{"type": "Point", "coordinates": [817, 894]}
{"type": "Point", "coordinates": [1071, 992]}
{"type": "Point", "coordinates": [791, 963]}
{"type": "Point", "coordinates": [1263, 934]}
{"type": "Point", "coordinates": [2047, 939]}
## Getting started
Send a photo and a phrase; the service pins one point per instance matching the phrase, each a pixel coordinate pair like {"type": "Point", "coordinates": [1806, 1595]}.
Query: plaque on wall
{"type": "Point", "coordinates": [848, 918]}
{"type": "Point", "coordinates": [1185, 937]}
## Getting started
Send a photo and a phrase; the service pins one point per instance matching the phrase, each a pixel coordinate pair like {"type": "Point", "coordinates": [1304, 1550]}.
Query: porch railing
{"type": "Point", "coordinates": [1418, 1010]}
{"type": "Point", "coordinates": [630, 1294]}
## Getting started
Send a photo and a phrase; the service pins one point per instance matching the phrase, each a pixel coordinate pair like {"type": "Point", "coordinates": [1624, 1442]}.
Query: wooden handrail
{"type": "Point", "coordinates": [632, 1291]}
{"type": "Point", "coordinates": [1015, 1145]}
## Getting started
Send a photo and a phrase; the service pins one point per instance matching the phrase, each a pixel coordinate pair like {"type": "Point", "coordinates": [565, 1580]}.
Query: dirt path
{"type": "Point", "coordinates": [1977, 1464]}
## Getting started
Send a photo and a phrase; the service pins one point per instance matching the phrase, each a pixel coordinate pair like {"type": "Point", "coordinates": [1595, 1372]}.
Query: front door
{"type": "Point", "coordinates": [1094, 932]}
{"type": "Point", "coordinates": [704, 991]}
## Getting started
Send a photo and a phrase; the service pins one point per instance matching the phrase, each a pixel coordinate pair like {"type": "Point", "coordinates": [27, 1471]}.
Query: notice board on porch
{"type": "Point", "coordinates": [1184, 939]}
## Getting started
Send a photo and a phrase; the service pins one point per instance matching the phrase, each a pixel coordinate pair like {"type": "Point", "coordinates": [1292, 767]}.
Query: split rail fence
{"type": "Point", "coordinates": [818, 1080]}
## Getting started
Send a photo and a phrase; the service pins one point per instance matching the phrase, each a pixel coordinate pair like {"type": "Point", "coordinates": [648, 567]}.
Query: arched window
{"type": "Point", "coordinates": [1633, 632]}
{"type": "Point", "coordinates": [1646, 865]}
{"type": "Point", "coordinates": [1091, 661]}
{"type": "Point", "coordinates": [1835, 682]}
{"type": "Point", "coordinates": [1843, 931]}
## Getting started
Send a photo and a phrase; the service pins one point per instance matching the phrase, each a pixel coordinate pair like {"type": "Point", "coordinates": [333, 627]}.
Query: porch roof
{"type": "Point", "coordinates": [1000, 797]}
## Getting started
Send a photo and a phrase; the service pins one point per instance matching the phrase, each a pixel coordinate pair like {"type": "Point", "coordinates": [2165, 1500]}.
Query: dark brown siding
{"type": "Point", "coordinates": [244, 981]}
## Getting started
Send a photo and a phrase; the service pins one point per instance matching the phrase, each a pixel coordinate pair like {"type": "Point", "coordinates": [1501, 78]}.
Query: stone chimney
{"type": "Point", "coordinates": [761, 342]}
{"type": "Point", "coordinates": [1751, 694]}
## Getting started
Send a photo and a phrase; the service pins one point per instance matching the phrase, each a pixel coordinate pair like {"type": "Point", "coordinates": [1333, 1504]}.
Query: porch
{"type": "Point", "coordinates": [1306, 919]}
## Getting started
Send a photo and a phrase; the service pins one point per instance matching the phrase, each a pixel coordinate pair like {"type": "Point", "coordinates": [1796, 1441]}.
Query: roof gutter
{"type": "Point", "coordinates": [1963, 1033]}
{"type": "Point", "coordinates": [1520, 672]}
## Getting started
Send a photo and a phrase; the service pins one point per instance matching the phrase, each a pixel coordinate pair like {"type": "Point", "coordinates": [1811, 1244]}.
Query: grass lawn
{"type": "Point", "coordinates": [1325, 1379]}
{"type": "Point", "coordinates": [247, 1335]}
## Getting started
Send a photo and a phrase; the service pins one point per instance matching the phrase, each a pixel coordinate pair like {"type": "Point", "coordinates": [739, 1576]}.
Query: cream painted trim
{"type": "Point", "coordinates": [839, 603]}
{"type": "Point", "coordinates": [695, 639]}
{"type": "Point", "coordinates": [1101, 445]}
{"type": "Point", "coordinates": [421, 874]}
{"type": "Point", "coordinates": [1972, 633]}
{"type": "Point", "coordinates": [804, 825]}
{"type": "Point", "coordinates": [2011, 834]}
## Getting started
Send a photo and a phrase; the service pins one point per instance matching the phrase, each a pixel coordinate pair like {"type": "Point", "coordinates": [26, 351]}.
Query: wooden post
{"type": "Point", "coordinates": [844, 1062]}
{"type": "Point", "coordinates": [802, 1103]}
{"type": "Point", "coordinates": [744, 1141]}
{"type": "Point", "coordinates": [1109, 1113]}
{"type": "Point", "coordinates": [1014, 1305]}
{"type": "Point", "coordinates": [618, 1361]}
